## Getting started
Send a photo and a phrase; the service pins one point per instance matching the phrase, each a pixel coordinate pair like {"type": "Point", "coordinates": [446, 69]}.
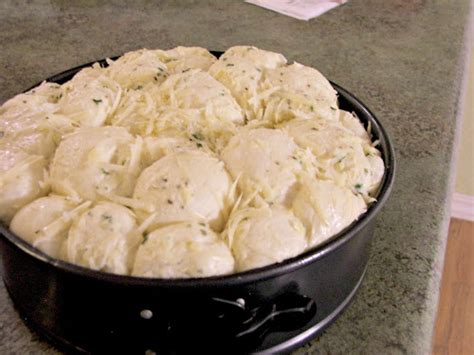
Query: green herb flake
{"type": "Point", "coordinates": [97, 101]}
{"type": "Point", "coordinates": [107, 217]}
{"type": "Point", "coordinates": [199, 145]}
{"type": "Point", "coordinates": [169, 201]}
{"type": "Point", "coordinates": [229, 65]}
{"type": "Point", "coordinates": [145, 238]}
{"type": "Point", "coordinates": [202, 224]}
{"type": "Point", "coordinates": [358, 186]}
{"type": "Point", "coordinates": [139, 87]}
{"type": "Point", "coordinates": [333, 108]}
{"type": "Point", "coordinates": [198, 136]}
{"type": "Point", "coordinates": [186, 70]}
{"type": "Point", "coordinates": [105, 172]}
{"type": "Point", "coordinates": [311, 108]}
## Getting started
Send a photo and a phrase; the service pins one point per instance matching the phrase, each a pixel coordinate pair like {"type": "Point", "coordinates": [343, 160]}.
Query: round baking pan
{"type": "Point", "coordinates": [271, 309]}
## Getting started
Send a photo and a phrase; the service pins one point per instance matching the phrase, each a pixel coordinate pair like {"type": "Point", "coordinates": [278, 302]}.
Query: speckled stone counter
{"type": "Point", "coordinates": [404, 59]}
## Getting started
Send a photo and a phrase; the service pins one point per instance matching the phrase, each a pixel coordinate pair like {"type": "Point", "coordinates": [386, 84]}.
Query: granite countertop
{"type": "Point", "coordinates": [404, 59]}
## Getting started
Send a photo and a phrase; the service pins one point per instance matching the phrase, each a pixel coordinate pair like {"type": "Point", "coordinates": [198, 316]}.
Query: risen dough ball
{"type": "Point", "coordinates": [240, 69]}
{"type": "Point", "coordinates": [181, 59]}
{"type": "Point", "coordinates": [21, 180]}
{"type": "Point", "coordinates": [104, 238]}
{"type": "Point", "coordinates": [186, 185]}
{"type": "Point", "coordinates": [88, 100]}
{"type": "Point", "coordinates": [325, 208]}
{"type": "Point", "coordinates": [45, 223]}
{"type": "Point", "coordinates": [298, 91]}
{"type": "Point", "coordinates": [261, 58]}
{"type": "Point", "coordinates": [341, 156]}
{"type": "Point", "coordinates": [30, 121]}
{"type": "Point", "coordinates": [264, 162]}
{"type": "Point", "coordinates": [24, 110]}
{"type": "Point", "coordinates": [93, 162]}
{"type": "Point", "coordinates": [264, 236]}
{"type": "Point", "coordinates": [195, 89]}
{"type": "Point", "coordinates": [138, 110]}
{"type": "Point", "coordinates": [138, 68]}
{"type": "Point", "coordinates": [183, 250]}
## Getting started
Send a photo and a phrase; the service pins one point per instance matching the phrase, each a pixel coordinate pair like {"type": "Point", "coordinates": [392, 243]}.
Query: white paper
{"type": "Point", "coordinates": [300, 9]}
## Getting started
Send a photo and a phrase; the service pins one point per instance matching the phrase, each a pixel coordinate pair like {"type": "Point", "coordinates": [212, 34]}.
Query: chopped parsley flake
{"type": "Point", "coordinates": [105, 172]}
{"type": "Point", "coordinates": [107, 217]}
{"type": "Point", "coordinates": [229, 65]}
{"type": "Point", "coordinates": [311, 108]}
{"type": "Point", "coordinates": [169, 201]}
{"type": "Point", "coordinates": [145, 237]}
{"type": "Point", "coordinates": [198, 136]}
{"type": "Point", "coordinates": [358, 186]}
{"type": "Point", "coordinates": [199, 145]}
{"type": "Point", "coordinates": [97, 101]}
{"type": "Point", "coordinates": [333, 108]}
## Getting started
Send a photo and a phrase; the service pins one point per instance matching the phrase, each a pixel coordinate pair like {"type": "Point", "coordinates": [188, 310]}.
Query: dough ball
{"type": "Point", "coordinates": [186, 185]}
{"type": "Point", "coordinates": [181, 59]}
{"type": "Point", "coordinates": [326, 208]}
{"type": "Point", "coordinates": [94, 162]}
{"type": "Point", "coordinates": [196, 89]}
{"type": "Point", "coordinates": [264, 161]}
{"type": "Point", "coordinates": [341, 156]}
{"type": "Point", "coordinates": [180, 250]}
{"type": "Point", "coordinates": [261, 58]}
{"type": "Point", "coordinates": [88, 101]}
{"type": "Point", "coordinates": [104, 238]}
{"type": "Point", "coordinates": [137, 69]}
{"type": "Point", "coordinates": [298, 91]}
{"type": "Point", "coordinates": [21, 180]}
{"type": "Point", "coordinates": [45, 222]}
{"type": "Point", "coordinates": [264, 236]}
